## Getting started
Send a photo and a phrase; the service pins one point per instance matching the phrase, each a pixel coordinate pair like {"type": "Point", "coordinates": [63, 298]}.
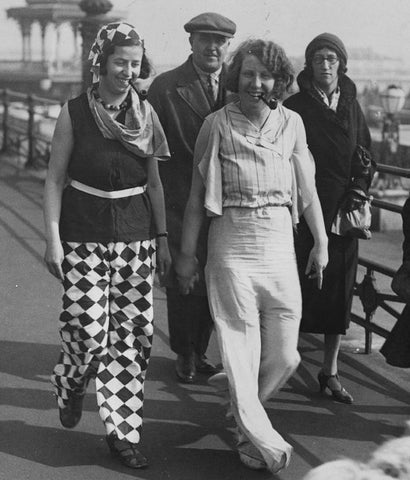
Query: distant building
{"type": "Point", "coordinates": [372, 70]}
{"type": "Point", "coordinates": [50, 73]}
{"type": "Point", "coordinates": [53, 74]}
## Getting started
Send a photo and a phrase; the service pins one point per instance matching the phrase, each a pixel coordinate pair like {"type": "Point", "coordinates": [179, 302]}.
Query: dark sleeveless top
{"type": "Point", "coordinates": [107, 165]}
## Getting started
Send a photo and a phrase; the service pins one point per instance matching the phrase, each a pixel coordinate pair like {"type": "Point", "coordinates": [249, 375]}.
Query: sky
{"type": "Point", "coordinates": [382, 25]}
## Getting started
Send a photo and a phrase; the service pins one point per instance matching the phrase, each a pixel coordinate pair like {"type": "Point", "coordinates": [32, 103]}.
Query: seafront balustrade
{"type": "Point", "coordinates": [38, 69]}
{"type": "Point", "coordinates": [371, 297]}
{"type": "Point", "coordinates": [28, 121]}
{"type": "Point", "coordinates": [24, 67]}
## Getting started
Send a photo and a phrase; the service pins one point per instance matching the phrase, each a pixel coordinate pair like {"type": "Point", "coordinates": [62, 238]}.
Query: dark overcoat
{"type": "Point", "coordinates": [182, 103]}
{"type": "Point", "coordinates": [332, 139]}
{"type": "Point", "coordinates": [396, 348]}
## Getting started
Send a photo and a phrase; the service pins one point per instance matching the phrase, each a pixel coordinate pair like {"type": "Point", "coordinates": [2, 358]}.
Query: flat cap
{"type": "Point", "coordinates": [210, 22]}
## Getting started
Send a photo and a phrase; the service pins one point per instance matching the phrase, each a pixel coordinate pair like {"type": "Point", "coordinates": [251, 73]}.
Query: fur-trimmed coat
{"type": "Point", "coordinates": [332, 138]}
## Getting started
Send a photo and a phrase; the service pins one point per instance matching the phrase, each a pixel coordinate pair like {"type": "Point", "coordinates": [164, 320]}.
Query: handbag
{"type": "Point", "coordinates": [401, 282]}
{"type": "Point", "coordinates": [363, 165]}
{"type": "Point", "coordinates": [354, 223]}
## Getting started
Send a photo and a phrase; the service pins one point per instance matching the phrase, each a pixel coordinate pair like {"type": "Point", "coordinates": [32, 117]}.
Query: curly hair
{"type": "Point", "coordinates": [271, 55]}
{"type": "Point", "coordinates": [146, 66]}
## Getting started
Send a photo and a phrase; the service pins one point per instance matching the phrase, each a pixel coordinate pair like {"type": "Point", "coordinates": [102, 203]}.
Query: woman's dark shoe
{"type": "Point", "coordinates": [126, 452]}
{"type": "Point", "coordinates": [71, 414]}
{"type": "Point", "coordinates": [339, 394]}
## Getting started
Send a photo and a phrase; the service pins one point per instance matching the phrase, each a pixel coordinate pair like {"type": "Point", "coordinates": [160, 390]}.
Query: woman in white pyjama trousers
{"type": "Point", "coordinates": [254, 176]}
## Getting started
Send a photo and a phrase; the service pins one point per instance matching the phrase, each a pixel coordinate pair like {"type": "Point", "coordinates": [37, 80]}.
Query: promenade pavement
{"type": "Point", "coordinates": [186, 435]}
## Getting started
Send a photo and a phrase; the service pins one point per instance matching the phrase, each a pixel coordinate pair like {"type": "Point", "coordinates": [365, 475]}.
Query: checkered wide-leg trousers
{"type": "Point", "coordinates": [106, 328]}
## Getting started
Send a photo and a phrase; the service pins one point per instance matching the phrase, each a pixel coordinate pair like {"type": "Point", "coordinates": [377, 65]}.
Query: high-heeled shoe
{"type": "Point", "coordinates": [340, 394]}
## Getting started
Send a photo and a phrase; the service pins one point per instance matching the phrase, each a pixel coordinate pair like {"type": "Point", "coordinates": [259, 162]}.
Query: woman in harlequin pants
{"type": "Point", "coordinates": [105, 231]}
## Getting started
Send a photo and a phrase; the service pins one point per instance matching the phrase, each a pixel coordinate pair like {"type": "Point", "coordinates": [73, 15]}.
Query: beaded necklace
{"type": "Point", "coordinates": [108, 106]}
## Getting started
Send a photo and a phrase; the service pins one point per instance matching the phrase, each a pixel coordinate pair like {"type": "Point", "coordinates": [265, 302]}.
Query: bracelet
{"type": "Point", "coordinates": [163, 234]}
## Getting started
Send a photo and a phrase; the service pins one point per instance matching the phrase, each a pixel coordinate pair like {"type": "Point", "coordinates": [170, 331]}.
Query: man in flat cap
{"type": "Point", "coordinates": [182, 98]}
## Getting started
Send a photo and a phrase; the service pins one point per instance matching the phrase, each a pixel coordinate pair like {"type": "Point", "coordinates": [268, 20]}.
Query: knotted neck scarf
{"type": "Point", "coordinates": [141, 132]}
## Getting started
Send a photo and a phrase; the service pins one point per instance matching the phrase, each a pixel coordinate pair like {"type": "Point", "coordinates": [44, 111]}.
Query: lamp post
{"type": "Point", "coordinates": [392, 100]}
{"type": "Point", "coordinates": [389, 187]}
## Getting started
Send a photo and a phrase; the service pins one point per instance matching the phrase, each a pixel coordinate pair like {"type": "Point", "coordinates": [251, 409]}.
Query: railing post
{"type": "Point", "coordinates": [30, 132]}
{"type": "Point", "coordinates": [368, 335]}
{"type": "Point", "coordinates": [5, 122]}
{"type": "Point", "coordinates": [368, 294]}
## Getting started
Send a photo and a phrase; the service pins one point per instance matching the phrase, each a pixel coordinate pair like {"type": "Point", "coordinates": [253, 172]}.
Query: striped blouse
{"type": "Point", "coordinates": [244, 166]}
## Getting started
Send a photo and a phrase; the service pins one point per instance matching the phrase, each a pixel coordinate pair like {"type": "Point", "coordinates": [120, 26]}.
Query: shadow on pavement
{"type": "Point", "coordinates": [58, 448]}
{"type": "Point", "coordinates": [21, 181]}
{"type": "Point", "coordinates": [30, 361]}
{"type": "Point", "coordinates": [186, 434]}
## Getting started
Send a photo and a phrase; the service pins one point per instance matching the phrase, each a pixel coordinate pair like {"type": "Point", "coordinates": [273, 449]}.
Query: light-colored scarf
{"type": "Point", "coordinates": [331, 102]}
{"type": "Point", "coordinates": [142, 133]}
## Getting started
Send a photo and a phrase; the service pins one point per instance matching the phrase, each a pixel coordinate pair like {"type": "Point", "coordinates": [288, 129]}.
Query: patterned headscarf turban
{"type": "Point", "coordinates": [108, 35]}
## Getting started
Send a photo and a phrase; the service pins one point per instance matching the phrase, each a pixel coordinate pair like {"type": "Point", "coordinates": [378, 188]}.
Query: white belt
{"type": "Point", "coordinates": [126, 192]}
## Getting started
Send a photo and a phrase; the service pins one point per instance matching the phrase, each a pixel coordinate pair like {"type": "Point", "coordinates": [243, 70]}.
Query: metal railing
{"type": "Point", "coordinates": [367, 291]}
{"type": "Point", "coordinates": [27, 123]}
{"type": "Point", "coordinates": [24, 115]}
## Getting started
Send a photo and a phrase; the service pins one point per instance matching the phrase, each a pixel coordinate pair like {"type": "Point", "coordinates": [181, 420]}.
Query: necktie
{"type": "Point", "coordinates": [211, 88]}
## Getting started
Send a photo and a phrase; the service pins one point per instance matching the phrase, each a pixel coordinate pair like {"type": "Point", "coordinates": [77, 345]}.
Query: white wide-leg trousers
{"type": "Point", "coordinates": [255, 300]}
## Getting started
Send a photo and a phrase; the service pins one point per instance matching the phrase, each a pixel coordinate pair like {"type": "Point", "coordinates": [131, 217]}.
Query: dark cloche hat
{"type": "Point", "coordinates": [324, 40]}
{"type": "Point", "coordinates": [210, 22]}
